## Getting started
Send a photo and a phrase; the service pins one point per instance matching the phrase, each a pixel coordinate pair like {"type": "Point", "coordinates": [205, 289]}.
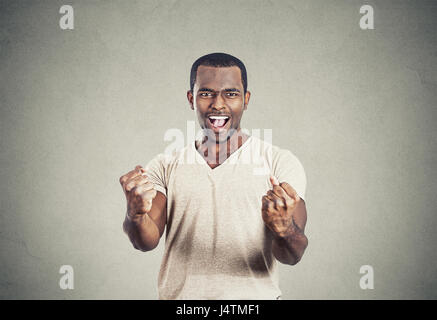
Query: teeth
{"type": "Point", "coordinates": [219, 117]}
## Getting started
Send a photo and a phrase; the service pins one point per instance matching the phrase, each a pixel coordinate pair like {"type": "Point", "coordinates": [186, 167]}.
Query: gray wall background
{"type": "Point", "coordinates": [80, 108]}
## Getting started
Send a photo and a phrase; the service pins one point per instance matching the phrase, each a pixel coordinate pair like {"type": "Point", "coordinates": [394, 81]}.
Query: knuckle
{"type": "Point", "coordinates": [142, 209]}
{"type": "Point", "coordinates": [149, 186]}
{"type": "Point", "coordinates": [145, 179]}
{"type": "Point", "coordinates": [136, 191]}
{"type": "Point", "coordinates": [148, 206]}
{"type": "Point", "coordinates": [131, 186]}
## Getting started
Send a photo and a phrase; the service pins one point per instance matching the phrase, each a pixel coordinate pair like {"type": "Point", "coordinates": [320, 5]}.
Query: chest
{"type": "Point", "coordinates": [217, 208]}
{"type": "Point", "coordinates": [230, 185]}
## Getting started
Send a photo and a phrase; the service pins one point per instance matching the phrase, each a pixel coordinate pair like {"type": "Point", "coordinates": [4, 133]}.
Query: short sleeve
{"type": "Point", "coordinates": [288, 168]}
{"type": "Point", "coordinates": [156, 172]}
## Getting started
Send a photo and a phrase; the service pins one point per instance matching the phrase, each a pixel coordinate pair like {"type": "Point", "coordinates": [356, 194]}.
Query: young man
{"type": "Point", "coordinates": [227, 222]}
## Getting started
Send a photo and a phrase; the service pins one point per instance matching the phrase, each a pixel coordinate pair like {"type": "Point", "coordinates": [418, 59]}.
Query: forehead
{"type": "Point", "coordinates": [218, 77]}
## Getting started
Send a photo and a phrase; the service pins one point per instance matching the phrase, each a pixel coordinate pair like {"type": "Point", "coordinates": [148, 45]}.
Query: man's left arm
{"type": "Point", "coordinates": [284, 213]}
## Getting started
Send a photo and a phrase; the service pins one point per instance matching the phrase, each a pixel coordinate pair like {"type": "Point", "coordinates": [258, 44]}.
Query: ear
{"type": "Point", "coordinates": [246, 99]}
{"type": "Point", "coordinates": [190, 98]}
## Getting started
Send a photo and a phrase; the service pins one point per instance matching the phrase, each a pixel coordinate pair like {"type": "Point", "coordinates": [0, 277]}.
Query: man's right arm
{"type": "Point", "coordinates": [146, 213]}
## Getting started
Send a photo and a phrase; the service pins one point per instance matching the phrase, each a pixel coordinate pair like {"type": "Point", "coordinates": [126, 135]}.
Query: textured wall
{"type": "Point", "coordinates": [81, 107]}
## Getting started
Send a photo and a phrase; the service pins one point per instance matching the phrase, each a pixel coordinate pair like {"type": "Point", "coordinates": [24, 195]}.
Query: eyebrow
{"type": "Point", "coordinates": [206, 89]}
{"type": "Point", "coordinates": [226, 90]}
{"type": "Point", "coordinates": [232, 90]}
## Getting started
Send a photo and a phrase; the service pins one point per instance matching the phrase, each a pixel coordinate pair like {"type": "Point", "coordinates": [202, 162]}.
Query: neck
{"type": "Point", "coordinates": [215, 152]}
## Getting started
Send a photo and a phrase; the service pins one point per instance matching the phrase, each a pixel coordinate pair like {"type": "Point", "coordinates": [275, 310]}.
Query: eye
{"type": "Point", "coordinates": [232, 94]}
{"type": "Point", "coordinates": [205, 94]}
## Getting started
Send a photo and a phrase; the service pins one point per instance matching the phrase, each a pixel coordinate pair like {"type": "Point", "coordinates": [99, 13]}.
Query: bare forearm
{"type": "Point", "coordinates": [289, 249]}
{"type": "Point", "coordinates": [142, 232]}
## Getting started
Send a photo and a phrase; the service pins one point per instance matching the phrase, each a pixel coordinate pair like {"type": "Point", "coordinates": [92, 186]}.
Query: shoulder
{"type": "Point", "coordinates": [168, 159]}
{"type": "Point", "coordinates": [160, 168]}
{"type": "Point", "coordinates": [275, 154]}
{"type": "Point", "coordinates": [284, 165]}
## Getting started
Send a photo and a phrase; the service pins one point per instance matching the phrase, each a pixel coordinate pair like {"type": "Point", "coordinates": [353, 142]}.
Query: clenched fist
{"type": "Point", "coordinates": [278, 208]}
{"type": "Point", "coordinates": [139, 192]}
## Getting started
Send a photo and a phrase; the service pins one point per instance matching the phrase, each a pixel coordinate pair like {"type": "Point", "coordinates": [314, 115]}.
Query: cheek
{"type": "Point", "coordinates": [237, 110]}
{"type": "Point", "coordinates": [200, 108]}
{"type": "Point", "coordinates": [201, 103]}
{"type": "Point", "coordinates": [200, 116]}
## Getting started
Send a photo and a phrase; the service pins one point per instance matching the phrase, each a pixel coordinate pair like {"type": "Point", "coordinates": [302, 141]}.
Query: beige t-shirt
{"type": "Point", "coordinates": [217, 246]}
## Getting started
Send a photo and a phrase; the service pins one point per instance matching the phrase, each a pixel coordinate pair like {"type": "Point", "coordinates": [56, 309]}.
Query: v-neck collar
{"type": "Point", "coordinates": [233, 155]}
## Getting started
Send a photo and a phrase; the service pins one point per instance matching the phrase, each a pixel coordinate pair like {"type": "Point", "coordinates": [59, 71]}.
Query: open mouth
{"type": "Point", "coordinates": [218, 122]}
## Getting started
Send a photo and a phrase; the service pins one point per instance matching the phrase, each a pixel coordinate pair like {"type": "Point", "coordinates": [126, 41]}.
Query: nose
{"type": "Point", "coordinates": [218, 103]}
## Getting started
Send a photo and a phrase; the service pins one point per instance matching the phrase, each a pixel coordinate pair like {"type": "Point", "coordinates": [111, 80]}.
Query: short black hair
{"type": "Point", "coordinates": [218, 59]}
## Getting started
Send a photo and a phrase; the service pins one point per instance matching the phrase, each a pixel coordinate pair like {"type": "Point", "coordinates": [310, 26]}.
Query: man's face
{"type": "Point", "coordinates": [219, 100]}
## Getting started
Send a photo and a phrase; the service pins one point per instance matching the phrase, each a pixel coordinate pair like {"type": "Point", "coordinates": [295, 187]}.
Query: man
{"type": "Point", "coordinates": [227, 223]}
